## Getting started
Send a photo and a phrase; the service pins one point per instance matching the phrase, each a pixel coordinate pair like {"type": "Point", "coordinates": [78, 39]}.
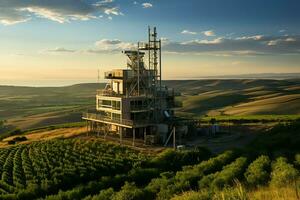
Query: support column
{"type": "Point", "coordinates": [133, 133]}
{"type": "Point", "coordinates": [121, 134]}
{"type": "Point", "coordinates": [105, 132]}
{"type": "Point", "coordinates": [145, 134]}
{"type": "Point", "coordinates": [92, 127]}
{"type": "Point", "coordinates": [174, 138]}
{"type": "Point", "coordinates": [98, 129]}
{"type": "Point", "coordinates": [87, 127]}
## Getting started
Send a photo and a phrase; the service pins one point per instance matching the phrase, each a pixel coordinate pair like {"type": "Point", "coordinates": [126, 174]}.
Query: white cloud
{"type": "Point", "coordinates": [215, 41]}
{"type": "Point", "coordinates": [147, 5]}
{"type": "Point", "coordinates": [188, 32]}
{"type": "Point", "coordinates": [209, 33]}
{"type": "Point", "coordinates": [12, 22]}
{"type": "Point", "coordinates": [290, 40]}
{"type": "Point", "coordinates": [272, 42]}
{"type": "Point", "coordinates": [107, 1]}
{"type": "Point", "coordinates": [249, 45]}
{"type": "Point", "coordinates": [135, 2]}
{"type": "Point", "coordinates": [112, 45]}
{"type": "Point", "coordinates": [286, 40]}
{"type": "Point", "coordinates": [61, 50]}
{"type": "Point", "coordinates": [112, 11]}
{"type": "Point", "coordinates": [256, 45]}
{"type": "Point", "coordinates": [102, 46]}
{"type": "Point", "coordinates": [254, 37]}
{"type": "Point", "coordinates": [13, 12]}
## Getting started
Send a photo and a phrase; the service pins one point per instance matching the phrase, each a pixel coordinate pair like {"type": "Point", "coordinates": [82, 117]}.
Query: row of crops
{"type": "Point", "coordinates": [36, 169]}
{"type": "Point", "coordinates": [78, 168]}
{"type": "Point", "coordinates": [204, 179]}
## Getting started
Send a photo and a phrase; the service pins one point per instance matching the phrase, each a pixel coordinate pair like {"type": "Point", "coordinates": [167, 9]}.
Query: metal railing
{"type": "Point", "coordinates": [100, 117]}
{"type": "Point", "coordinates": [109, 93]}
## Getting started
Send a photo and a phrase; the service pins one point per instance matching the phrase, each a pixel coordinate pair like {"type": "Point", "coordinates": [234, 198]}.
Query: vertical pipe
{"type": "Point", "coordinates": [149, 39]}
{"type": "Point", "coordinates": [121, 134]}
{"type": "Point", "coordinates": [138, 66]}
{"type": "Point", "coordinates": [87, 127]}
{"type": "Point", "coordinates": [160, 64]}
{"type": "Point", "coordinates": [150, 90]}
{"type": "Point", "coordinates": [133, 132]}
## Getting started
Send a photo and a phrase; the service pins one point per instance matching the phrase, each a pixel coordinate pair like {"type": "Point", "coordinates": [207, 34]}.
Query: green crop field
{"type": "Point", "coordinates": [86, 168]}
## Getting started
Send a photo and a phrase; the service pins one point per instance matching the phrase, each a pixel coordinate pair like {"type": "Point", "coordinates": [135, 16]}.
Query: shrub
{"type": "Point", "coordinates": [129, 192]}
{"type": "Point", "coordinates": [168, 185]}
{"type": "Point", "coordinates": [142, 176]}
{"type": "Point", "coordinates": [174, 160]}
{"type": "Point", "coordinates": [189, 176]}
{"type": "Point", "coordinates": [225, 177]}
{"type": "Point", "coordinates": [283, 173]}
{"type": "Point", "coordinates": [258, 171]}
{"type": "Point", "coordinates": [158, 184]}
{"type": "Point", "coordinates": [104, 194]}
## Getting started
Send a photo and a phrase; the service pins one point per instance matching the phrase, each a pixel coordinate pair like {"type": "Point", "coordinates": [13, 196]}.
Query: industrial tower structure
{"type": "Point", "coordinates": [135, 103]}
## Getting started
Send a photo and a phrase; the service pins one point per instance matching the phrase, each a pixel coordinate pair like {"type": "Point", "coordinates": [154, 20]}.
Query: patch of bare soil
{"type": "Point", "coordinates": [237, 137]}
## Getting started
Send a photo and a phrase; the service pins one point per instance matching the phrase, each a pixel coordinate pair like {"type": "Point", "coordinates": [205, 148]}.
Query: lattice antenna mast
{"type": "Point", "coordinates": [154, 52]}
{"type": "Point", "coordinates": [154, 58]}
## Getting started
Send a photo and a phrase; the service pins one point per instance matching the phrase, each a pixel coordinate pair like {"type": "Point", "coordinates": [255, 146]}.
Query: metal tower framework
{"type": "Point", "coordinates": [146, 80]}
{"type": "Point", "coordinates": [134, 103]}
{"type": "Point", "coordinates": [153, 48]}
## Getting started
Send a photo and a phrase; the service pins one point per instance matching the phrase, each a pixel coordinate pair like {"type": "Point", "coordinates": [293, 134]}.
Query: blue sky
{"type": "Point", "coordinates": [58, 42]}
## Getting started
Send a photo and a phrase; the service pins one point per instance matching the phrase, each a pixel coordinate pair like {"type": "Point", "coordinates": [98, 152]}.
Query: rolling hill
{"type": "Point", "coordinates": [31, 107]}
{"type": "Point", "coordinates": [239, 97]}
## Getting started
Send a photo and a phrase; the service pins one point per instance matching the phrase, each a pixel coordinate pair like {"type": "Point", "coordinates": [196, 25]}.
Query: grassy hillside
{"type": "Point", "coordinates": [31, 107]}
{"type": "Point", "coordinates": [238, 97]}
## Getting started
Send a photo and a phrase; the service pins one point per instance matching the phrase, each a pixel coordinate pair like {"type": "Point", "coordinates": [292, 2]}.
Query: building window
{"type": "Point", "coordinates": [115, 105]}
{"type": "Point", "coordinates": [116, 116]}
